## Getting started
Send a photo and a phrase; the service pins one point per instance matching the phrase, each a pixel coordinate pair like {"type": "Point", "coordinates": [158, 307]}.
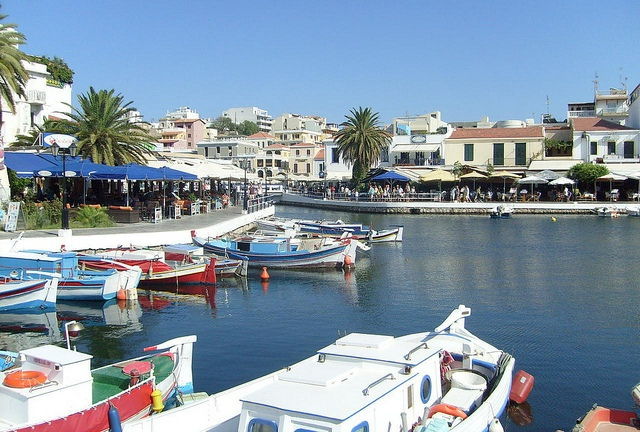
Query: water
{"type": "Point", "coordinates": [562, 297]}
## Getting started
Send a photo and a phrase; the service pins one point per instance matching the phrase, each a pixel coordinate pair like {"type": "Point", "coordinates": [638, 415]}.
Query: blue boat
{"type": "Point", "coordinates": [281, 252]}
{"type": "Point", "coordinates": [74, 284]}
{"type": "Point", "coordinates": [23, 291]}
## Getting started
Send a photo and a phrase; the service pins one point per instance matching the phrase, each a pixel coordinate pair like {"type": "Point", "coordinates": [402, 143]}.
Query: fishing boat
{"type": "Point", "coordinates": [55, 389]}
{"type": "Point", "coordinates": [225, 267]}
{"type": "Point", "coordinates": [444, 380]}
{"type": "Point", "coordinates": [283, 252]}
{"type": "Point", "coordinates": [501, 212]}
{"type": "Point", "coordinates": [608, 212]}
{"type": "Point", "coordinates": [73, 284]}
{"type": "Point", "coordinates": [335, 229]}
{"type": "Point", "coordinates": [156, 270]}
{"type": "Point", "coordinates": [25, 292]}
{"type": "Point", "coordinates": [601, 419]}
{"type": "Point", "coordinates": [633, 210]}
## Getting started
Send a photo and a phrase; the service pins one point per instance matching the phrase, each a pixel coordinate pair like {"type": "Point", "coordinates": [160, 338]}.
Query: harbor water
{"type": "Point", "coordinates": [563, 297]}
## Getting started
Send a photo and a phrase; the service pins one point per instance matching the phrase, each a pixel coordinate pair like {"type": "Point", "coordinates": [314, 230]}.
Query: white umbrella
{"type": "Point", "coordinates": [561, 181]}
{"type": "Point", "coordinates": [532, 180]}
{"type": "Point", "coordinates": [611, 177]}
{"type": "Point", "coordinates": [636, 176]}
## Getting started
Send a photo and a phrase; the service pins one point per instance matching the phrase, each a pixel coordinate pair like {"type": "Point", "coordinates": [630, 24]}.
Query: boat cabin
{"type": "Point", "coordinates": [17, 264]}
{"type": "Point", "coordinates": [361, 383]}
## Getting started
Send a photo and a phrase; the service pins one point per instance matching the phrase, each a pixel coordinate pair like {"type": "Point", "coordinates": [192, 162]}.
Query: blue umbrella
{"type": "Point", "coordinates": [391, 175]}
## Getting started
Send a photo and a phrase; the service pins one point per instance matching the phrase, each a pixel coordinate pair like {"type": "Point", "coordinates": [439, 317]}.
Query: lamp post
{"type": "Point", "coordinates": [74, 327]}
{"type": "Point", "coordinates": [245, 197]}
{"type": "Point", "coordinates": [70, 150]}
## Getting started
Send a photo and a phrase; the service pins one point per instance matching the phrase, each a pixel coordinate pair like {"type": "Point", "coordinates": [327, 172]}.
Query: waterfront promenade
{"type": "Point", "coordinates": [446, 207]}
{"type": "Point", "coordinates": [140, 234]}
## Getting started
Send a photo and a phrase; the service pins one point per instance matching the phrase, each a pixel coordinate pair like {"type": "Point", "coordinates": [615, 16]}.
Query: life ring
{"type": "Point", "coordinates": [24, 379]}
{"type": "Point", "coordinates": [447, 409]}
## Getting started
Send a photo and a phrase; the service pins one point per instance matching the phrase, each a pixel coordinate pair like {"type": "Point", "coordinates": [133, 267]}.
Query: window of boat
{"type": "Point", "coordinates": [425, 389]}
{"type": "Point", "coordinates": [244, 246]}
{"type": "Point", "coordinates": [362, 427]}
{"type": "Point", "coordinates": [410, 396]}
{"type": "Point", "coordinates": [262, 425]}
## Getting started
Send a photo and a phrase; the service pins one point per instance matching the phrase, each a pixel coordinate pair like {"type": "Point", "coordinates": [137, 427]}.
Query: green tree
{"type": "Point", "coordinates": [32, 137]}
{"type": "Point", "coordinates": [224, 124]}
{"type": "Point", "coordinates": [247, 128]}
{"type": "Point", "coordinates": [104, 131]}
{"type": "Point", "coordinates": [361, 140]}
{"type": "Point", "coordinates": [13, 75]}
{"type": "Point", "coordinates": [587, 172]}
{"type": "Point", "coordinates": [57, 67]}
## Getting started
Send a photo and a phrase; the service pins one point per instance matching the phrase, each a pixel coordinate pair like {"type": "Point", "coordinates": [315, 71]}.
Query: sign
{"type": "Point", "coordinates": [11, 223]}
{"type": "Point", "coordinates": [417, 139]}
{"type": "Point", "coordinates": [157, 214]}
{"type": "Point", "coordinates": [61, 140]}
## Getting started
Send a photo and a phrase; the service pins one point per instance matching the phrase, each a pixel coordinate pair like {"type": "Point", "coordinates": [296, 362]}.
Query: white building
{"type": "Point", "coordinates": [335, 166]}
{"type": "Point", "coordinates": [603, 141]}
{"type": "Point", "coordinates": [253, 114]}
{"type": "Point", "coordinates": [634, 108]}
{"type": "Point", "coordinates": [610, 105]}
{"type": "Point", "coordinates": [182, 113]}
{"type": "Point", "coordinates": [297, 122]}
{"type": "Point", "coordinates": [44, 98]}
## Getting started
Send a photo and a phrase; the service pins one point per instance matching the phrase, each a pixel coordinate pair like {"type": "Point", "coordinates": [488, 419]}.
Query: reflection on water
{"type": "Point", "coordinates": [562, 297]}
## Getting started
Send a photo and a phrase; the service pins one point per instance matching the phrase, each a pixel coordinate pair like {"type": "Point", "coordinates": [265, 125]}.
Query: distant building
{"type": "Point", "coordinates": [262, 139]}
{"type": "Point", "coordinates": [272, 161]}
{"type": "Point", "coordinates": [302, 159]}
{"type": "Point", "coordinates": [634, 108]}
{"type": "Point", "coordinates": [603, 141]}
{"type": "Point", "coordinates": [181, 130]}
{"type": "Point", "coordinates": [335, 167]}
{"type": "Point", "coordinates": [235, 149]}
{"type": "Point", "coordinates": [417, 141]}
{"type": "Point", "coordinates": [611, 105]}
{"type": "Point", "coordinates": [253, 114]}
{"type": "Point", "coordinates": [294, 128]}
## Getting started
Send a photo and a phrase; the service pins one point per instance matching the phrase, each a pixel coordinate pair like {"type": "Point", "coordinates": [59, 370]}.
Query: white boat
{"type": "Point", "coordinates": [501, 212]}
{"type": "Point", "coordinates": [608, 212]}
{"type": "Point", "coordinates": [447, 379]}
{"type": "Point", "coordinates": [28, 293]}
{"type": "Point", "coordinates": [334, 229]}
{"type": "Point", "coordinates": [633, 210]}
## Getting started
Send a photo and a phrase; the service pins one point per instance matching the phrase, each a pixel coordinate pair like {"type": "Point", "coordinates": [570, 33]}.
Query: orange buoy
{"type": "Point", "coordinates": [122, 304]}
{"type": "Point", "coordinates": [265, 274]}
{"type": "Point", "coordinates": [348, 261]}
{"type": "Point", "coordinates": [24, 379]}
{"type": "Point", "coordinates": [121, 294]}
{"type": "Point", "coordinates": [447, 409]}
{"type": "Point", "coordinates": [265, 285]}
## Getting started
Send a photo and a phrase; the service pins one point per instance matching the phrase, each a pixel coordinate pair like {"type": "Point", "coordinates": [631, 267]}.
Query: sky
{"type": "Point", "coordinates": [467, 59]}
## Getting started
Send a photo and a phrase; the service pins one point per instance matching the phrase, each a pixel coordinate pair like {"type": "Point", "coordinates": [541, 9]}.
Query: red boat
{"type": "Point", "coordinates": [156, 269]}
{"type": "Point", "coordinates": [601, 419]}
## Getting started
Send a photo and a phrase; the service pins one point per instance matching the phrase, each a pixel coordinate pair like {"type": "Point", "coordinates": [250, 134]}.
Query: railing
{"type": "Point", "coordinates": [365, 197]}
{"type": "Point", "coordinates": [259, 203]}
{"type": "Point", "coordinates": [613, 112]}
{"type": "Point", "coordinates": [509, 162]}
{"type": "Point", "coordinates": [574, 114]}
{"type": "Point", "coordinates": [418, 161]}
{"type": "Point", "coordinates": [36, 96]}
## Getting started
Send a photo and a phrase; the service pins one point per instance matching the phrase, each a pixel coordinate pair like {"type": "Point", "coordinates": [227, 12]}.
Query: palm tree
{"type": "Point", "coordinates": [104, 132]}
{"type": "Point", "coordinates": [13, 75]}
{"type": "Point", "coordinates": [361, 140]}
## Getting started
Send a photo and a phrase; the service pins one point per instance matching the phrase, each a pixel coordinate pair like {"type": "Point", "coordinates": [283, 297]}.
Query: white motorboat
{"type": "Point", "coordinates": [501, 212]}
{"type": "Point", "coordinates": [334, 229]}
{"type": "Point", "coordinates": [633, 210]}
{"type": "Point", "coordinates": [608, 212]}
{"type": "Point", "coordinates": [447, 379]}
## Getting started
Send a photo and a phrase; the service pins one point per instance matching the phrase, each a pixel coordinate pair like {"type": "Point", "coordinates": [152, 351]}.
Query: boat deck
{"type": "Point", "coordinates": [109, 381]}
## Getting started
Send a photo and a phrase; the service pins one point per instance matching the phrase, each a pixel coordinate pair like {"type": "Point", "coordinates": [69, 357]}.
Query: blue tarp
{"type": "Point", "coordinates": [391, 175]}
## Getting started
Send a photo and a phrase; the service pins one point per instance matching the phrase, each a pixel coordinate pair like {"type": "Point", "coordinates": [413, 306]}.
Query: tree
{"type": "Point", "coordinates": [103, 129]}
{"type": "Point", "coordinates": [587, 172]}
{"type": "Point", "coordinates": [57, 67]}
{"type": "Point", "coordinates": [32, 137]}
{"type": "Point", "coordinates": [13, 76]}
{"type": "Point", "coordinates": [361, 140]}
{"type": "Point", "coordinates": [224, 124]}
{"type": "Point", "coordinates": [247, 128]}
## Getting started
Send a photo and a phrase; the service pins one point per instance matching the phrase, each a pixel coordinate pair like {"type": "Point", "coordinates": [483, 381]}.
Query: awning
{"type": "Point", "coordinates": [439, 175]}
{"type": "Point", "coordinates": [427, 148]}
{"type": "Point", "coordinates": [391, 175]}
{"type": "Point", "coordinates": [553, 165]}
{"type": "Point", "coordinates": [24, 164]}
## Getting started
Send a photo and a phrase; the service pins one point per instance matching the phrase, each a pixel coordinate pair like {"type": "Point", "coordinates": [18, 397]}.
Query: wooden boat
{"type": "Point", "coordinates": [189, 253]}
{"type": "Point", "coordinates": [501, 212]}
{"type": "Point", "coordinates": [601, 419]}
{"type": "Point", "coordinates": [73, 284]}
{"type": "Point", "coordinates": [283, 252]}
{"type": "Point", "coordinates": [55, 390]}
{"type": "Point", "coordinates": [155, 269]}
{"type": "Point", "coordinates": [335, 229]}
{"type": "Point", "coordinates": [27, 293]}
{"type": "Point", "coordinates": [447, 379]}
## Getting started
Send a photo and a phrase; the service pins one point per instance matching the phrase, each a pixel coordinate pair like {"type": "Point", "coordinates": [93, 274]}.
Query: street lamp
{"type": "Point", "coordinates": [64, 151]}
{"type": "Point", "coordinates": [74, 327]}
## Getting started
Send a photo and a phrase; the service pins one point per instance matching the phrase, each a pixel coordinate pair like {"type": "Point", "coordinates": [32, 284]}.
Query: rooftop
{"type": "Point", "coordinates": [261, 135]}
{"type": "Point", "coordinates": [523, 132]}
{"type": "Point", "coordinates": [596, 124]}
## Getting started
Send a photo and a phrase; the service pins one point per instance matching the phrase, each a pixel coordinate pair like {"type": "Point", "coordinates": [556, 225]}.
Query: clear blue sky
{"type": "Point", "coordinates": [466, 59]}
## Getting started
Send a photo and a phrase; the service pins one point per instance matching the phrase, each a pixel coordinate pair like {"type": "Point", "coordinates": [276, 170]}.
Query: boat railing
{"type": "Point", "coordinates": [388, 376]}
{"type": "Point", "coordinates": [407, 356]}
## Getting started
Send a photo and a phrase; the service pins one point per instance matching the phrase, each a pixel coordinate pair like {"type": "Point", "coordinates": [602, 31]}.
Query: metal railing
{"type": "Point", "coordinates": [259, 203]}
{"type": "Point", "coordinates": [509, 161]}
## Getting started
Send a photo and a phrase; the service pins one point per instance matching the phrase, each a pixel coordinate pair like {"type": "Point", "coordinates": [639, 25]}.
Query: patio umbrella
{"type": "Point", "coordinates": [533, 181]}
{"type": "Point", "coordinates": [548, 175]}
{"type": "Point", "coordinates": [473, 175]}
{"type": "Point", "coordinates": [439, 176]}
{"type": "Point", "coordinates": [636, 176]}
{"type": "Point", "coordinates": [391, 176]}
{"type": "Point", "coordinates": [611, 177]}
{"type": "Point", "coordinates": [561, 181]}
{"type": "Point", "coordinates": [504, 175]}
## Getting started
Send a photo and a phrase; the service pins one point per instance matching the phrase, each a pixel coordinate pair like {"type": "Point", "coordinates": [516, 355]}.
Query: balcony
{"type": "Point", "coordinates": [417, 161]}
{"type": "Point", "coordinates": [615, 158]}
{"type": "Point", "coordinates": [613, 112]}
{"type": "Point", "coordinates": [36, 97]}
{"type": "Point", "coordinates": [510, 162]}
{"type": "Point", "coordinates": [586, 113]}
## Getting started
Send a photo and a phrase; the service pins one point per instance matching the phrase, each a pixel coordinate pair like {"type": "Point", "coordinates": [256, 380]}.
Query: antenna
{"type": "Point", "coordinates": [548, 102]}
{"type": "Point", "coordinates": [595, 84]}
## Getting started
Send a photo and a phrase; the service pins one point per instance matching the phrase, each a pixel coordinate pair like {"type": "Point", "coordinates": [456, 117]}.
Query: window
{"type": "Point", "coordinates": [468, 152]}
{"type": "Point", "coordinates": [628, 149]}
{"type": "Point", "coordinates": [260, 425]}
{"type": "Point", "coordinates": [269, 163]}
{"type": "Point", "coordinates": [278, 163]}
{"type": "Point", "coordinates": [335, 155]}
{"type": "Point", "coordinates": [260, 162]}
{"type": "Point", "coordinates": [425, 389]}
{"type": "Point", "coordinates": [308, 168]}
{"type": "Point", "coordinates": [498, 153]}
{"type": "Point", "coordinates": [218, 150]}
{"type": "Point", "coordinates": [611, 147]}
{"type": "Point", "coordinates": [295, 168]}
{"type": "Point", "coordinates": [594, 148]}
{"type": "Point", "coordinates": [188, 135]}
{"type": "Point", "coordinates": [521, 153]}
{"type": "Point", "coordinates": [297, 152]}
{"type": "Point", "coordinates": [410, 396]}
{"type": "Point", "coordinates": [308, 152]}
{"type": "Point", "coordinates": [362, 427]}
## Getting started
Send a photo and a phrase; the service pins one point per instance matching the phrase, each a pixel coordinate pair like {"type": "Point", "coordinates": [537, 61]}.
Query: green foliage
{"type": "Point", "coordinates": [13, 75]}
{"type": "Point", "coordinates": [43, 215]}
{"type": "Point", "coordinates": [490, 168]}
{"type": "Point", "coordinates": [58, 68]}
{"type": "Point", "coordinates": [457, 169]}
{"type": "Point", "coordinates": [103, 129]}
{"type": "Point", "coordinates": [90, 217]}
{"type": "Point", "coordinates": [587, 172]}
{"type": "Point", "coordinates": [247, 128]}
{"type": "Point", "coordinates": [361, 140]}
{"type": "Point", "coordinates": [224, 124]}
{"type": "Point", "coordinates": [554, 147]}
{"type": "Point", "coordinates": [17, 185]}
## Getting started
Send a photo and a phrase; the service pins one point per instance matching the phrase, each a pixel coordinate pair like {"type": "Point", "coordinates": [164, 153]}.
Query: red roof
{"type": "Point", "coordinates": [525, 132]}
{"type": "Point", "coordinates": [595, 124]}
{"type": "Point", "coordinates": [186, 120]}
{"type": "Point", "coordinates": [276, 146]}
{"type": "Point", "coordinates": [261, 135]}
{"type": "Point", "coordinates": [303, 145]}
{"type": "Point", "coordinates": [319, 155]}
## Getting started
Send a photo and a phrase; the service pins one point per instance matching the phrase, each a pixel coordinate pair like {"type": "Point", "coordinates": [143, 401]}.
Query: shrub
{"type": "Point", "coordinates": [587, 172]}
{"type": "Point", "coordinates": [43, 215]}
{"type": "Point", "coordinates": [90, 217]}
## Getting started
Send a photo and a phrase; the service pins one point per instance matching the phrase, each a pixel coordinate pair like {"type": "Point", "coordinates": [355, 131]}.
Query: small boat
{"type": "Point", "coordinates": [608, 212]}
{"type": "Point", "coordinates": [501, 212]}
{"type": "Point", "coordinates": [335, 229]}
{"type": "Point", "coordinates": [73, 284]}
{"type": "Point", "coordinates": [601, 419]}
{"type": "Point", "coordinates": [55, 389]}
{"type": "Point", "coordinates": [8, 360]}
{"type": "Point", "coordinates": [225, 267]}
{"type": "Point", "coordinates": [633, 210]}
{"type": "Point", "coordinates": [443, 380]}
{"type": "Point", "coordinates": [283, 252]}
{"type": "Point", "coordinates": [26, 293]}
{"type": "Point", "coordinates": [156, 270]}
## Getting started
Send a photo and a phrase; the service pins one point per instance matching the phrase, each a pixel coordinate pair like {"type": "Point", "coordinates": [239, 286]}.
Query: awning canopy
{"type": "Point", "coordinates": [561, 181]}
{"type": "Point", "coordinates": [473, 175]}
{"type": "Point", "coordinates": [391, 175]}
{"type": "Point", "coordinates": [24, 164]}
{"type": "Point", "coordinates": [504, 175]}
{"type": "Point", "coordinates": [611, 177]}
{"type": "Point", "coordinates": [532, 180]}
{"type": "Point", "coordinates": [439, 175]}
{"type": "Point", "coordinates": [553, 164]}
{"type": "Point", "coordinates": [548, 175]}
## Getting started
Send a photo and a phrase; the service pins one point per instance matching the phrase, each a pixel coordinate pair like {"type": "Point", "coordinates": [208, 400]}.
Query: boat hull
{"type": "Point", "coordinates": [89, 287]}
{"type": "Point", "coordinates": [27, 294]}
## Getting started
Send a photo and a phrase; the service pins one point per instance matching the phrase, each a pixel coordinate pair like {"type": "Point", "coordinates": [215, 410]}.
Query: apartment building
{"type": "Point", "coordinates": [611, 105]}
{"type": "Point", "coordinates": [253, 114]}
{"type": "Point", "coordinates": [302, 158]}
{"type": "Point", "coordinates": [272, 160]}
